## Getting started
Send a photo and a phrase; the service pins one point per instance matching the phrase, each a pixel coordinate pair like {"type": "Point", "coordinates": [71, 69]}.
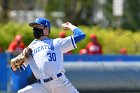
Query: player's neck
{"type": "Point", "coordinates": [43, 37]}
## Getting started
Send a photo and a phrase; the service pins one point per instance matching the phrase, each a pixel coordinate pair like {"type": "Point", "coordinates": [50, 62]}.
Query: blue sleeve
{"type": "Point", "coordinates": [78, 35]}
{"type": "Point", "coordinates": [19, 70]}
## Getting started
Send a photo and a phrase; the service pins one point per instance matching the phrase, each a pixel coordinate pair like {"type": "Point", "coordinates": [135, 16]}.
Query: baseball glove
{"type": "Point", "coordinates": [20, 59]}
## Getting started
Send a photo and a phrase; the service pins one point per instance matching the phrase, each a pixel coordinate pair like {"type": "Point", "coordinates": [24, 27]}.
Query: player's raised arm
{"type": "Point", "coordinates": [78, 33]}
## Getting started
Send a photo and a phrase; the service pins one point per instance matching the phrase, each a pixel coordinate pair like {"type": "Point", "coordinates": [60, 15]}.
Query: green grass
{"type": "Point", "coordinates": [111, 40]}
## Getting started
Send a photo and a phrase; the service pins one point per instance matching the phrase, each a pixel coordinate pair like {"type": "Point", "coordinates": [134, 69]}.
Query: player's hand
{"type": "Point", "coordinates": [66, 26]}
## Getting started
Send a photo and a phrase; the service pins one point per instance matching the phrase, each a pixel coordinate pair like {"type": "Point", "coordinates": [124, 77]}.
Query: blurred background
{"type": "Point", "coordinates": [112, 43]}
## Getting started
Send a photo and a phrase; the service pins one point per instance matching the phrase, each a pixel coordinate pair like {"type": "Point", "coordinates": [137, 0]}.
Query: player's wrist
{"type": "Point", "coordinates": [72, 27]}
{"type": "Point", "coordinates": [13, 66]}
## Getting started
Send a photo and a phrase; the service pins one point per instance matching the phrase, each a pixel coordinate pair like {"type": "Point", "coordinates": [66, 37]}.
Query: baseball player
{"type": "Point", "coordinates": [45, 57]}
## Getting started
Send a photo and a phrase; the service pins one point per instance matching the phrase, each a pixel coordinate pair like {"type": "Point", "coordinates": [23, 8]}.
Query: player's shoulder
{"type": "Point", "coordinates": [57, 40]}
{"type": "Point", "coordinates": [33, 42]}
{"type": "Point", "coordinates": [61, 39]}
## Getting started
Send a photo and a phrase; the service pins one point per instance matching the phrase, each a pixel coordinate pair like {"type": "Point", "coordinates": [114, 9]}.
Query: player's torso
{"type": "Point", "coordinates": [48, 56]}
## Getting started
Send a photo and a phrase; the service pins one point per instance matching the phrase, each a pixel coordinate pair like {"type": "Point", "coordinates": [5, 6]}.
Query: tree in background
{"type": "Point", "coordinates": [4, 11]}
{"type": "Point", "coordinates": [79, 12]}
{"type": "Point", "coordinates": [131, 18]}
{"type": "Point", "coordinates": [76, 11]}
{"type": "Point", "coordinates": [82, 12]}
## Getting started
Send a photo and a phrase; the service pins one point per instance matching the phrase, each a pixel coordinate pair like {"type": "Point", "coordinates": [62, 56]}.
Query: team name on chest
{"type": "Point", "coordinates": [43, 47]}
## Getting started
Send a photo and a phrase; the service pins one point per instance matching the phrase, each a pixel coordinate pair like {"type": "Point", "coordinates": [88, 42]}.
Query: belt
{"type": "Point", "coordinates": [49, 79]}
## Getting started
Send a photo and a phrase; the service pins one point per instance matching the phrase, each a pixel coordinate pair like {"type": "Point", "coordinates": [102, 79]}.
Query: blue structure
{"type": "Point", "coordinates": [18, 82]}
{"type": "Point", "coordinates": [3, 72]}
{"type": "Point", "coordinates": [21, 81]}
{"type": "Point", "coordinates": [102, 58]}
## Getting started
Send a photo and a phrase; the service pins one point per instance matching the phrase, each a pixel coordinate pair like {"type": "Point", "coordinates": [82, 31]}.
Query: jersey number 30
{"type": "Point", "coordinates": [51, 56]}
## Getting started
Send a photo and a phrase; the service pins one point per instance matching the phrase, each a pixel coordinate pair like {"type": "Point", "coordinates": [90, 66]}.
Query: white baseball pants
{"type": "Point", "coordinates": [58, 85]}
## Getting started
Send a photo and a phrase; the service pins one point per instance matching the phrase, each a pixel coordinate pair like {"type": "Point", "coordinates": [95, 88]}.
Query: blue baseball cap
{"type": "Point", "coordinates": [41, 21]}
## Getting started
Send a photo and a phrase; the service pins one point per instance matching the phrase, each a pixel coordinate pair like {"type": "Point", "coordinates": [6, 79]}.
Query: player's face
{"type": "Point", "coordinates": [45, 29]}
